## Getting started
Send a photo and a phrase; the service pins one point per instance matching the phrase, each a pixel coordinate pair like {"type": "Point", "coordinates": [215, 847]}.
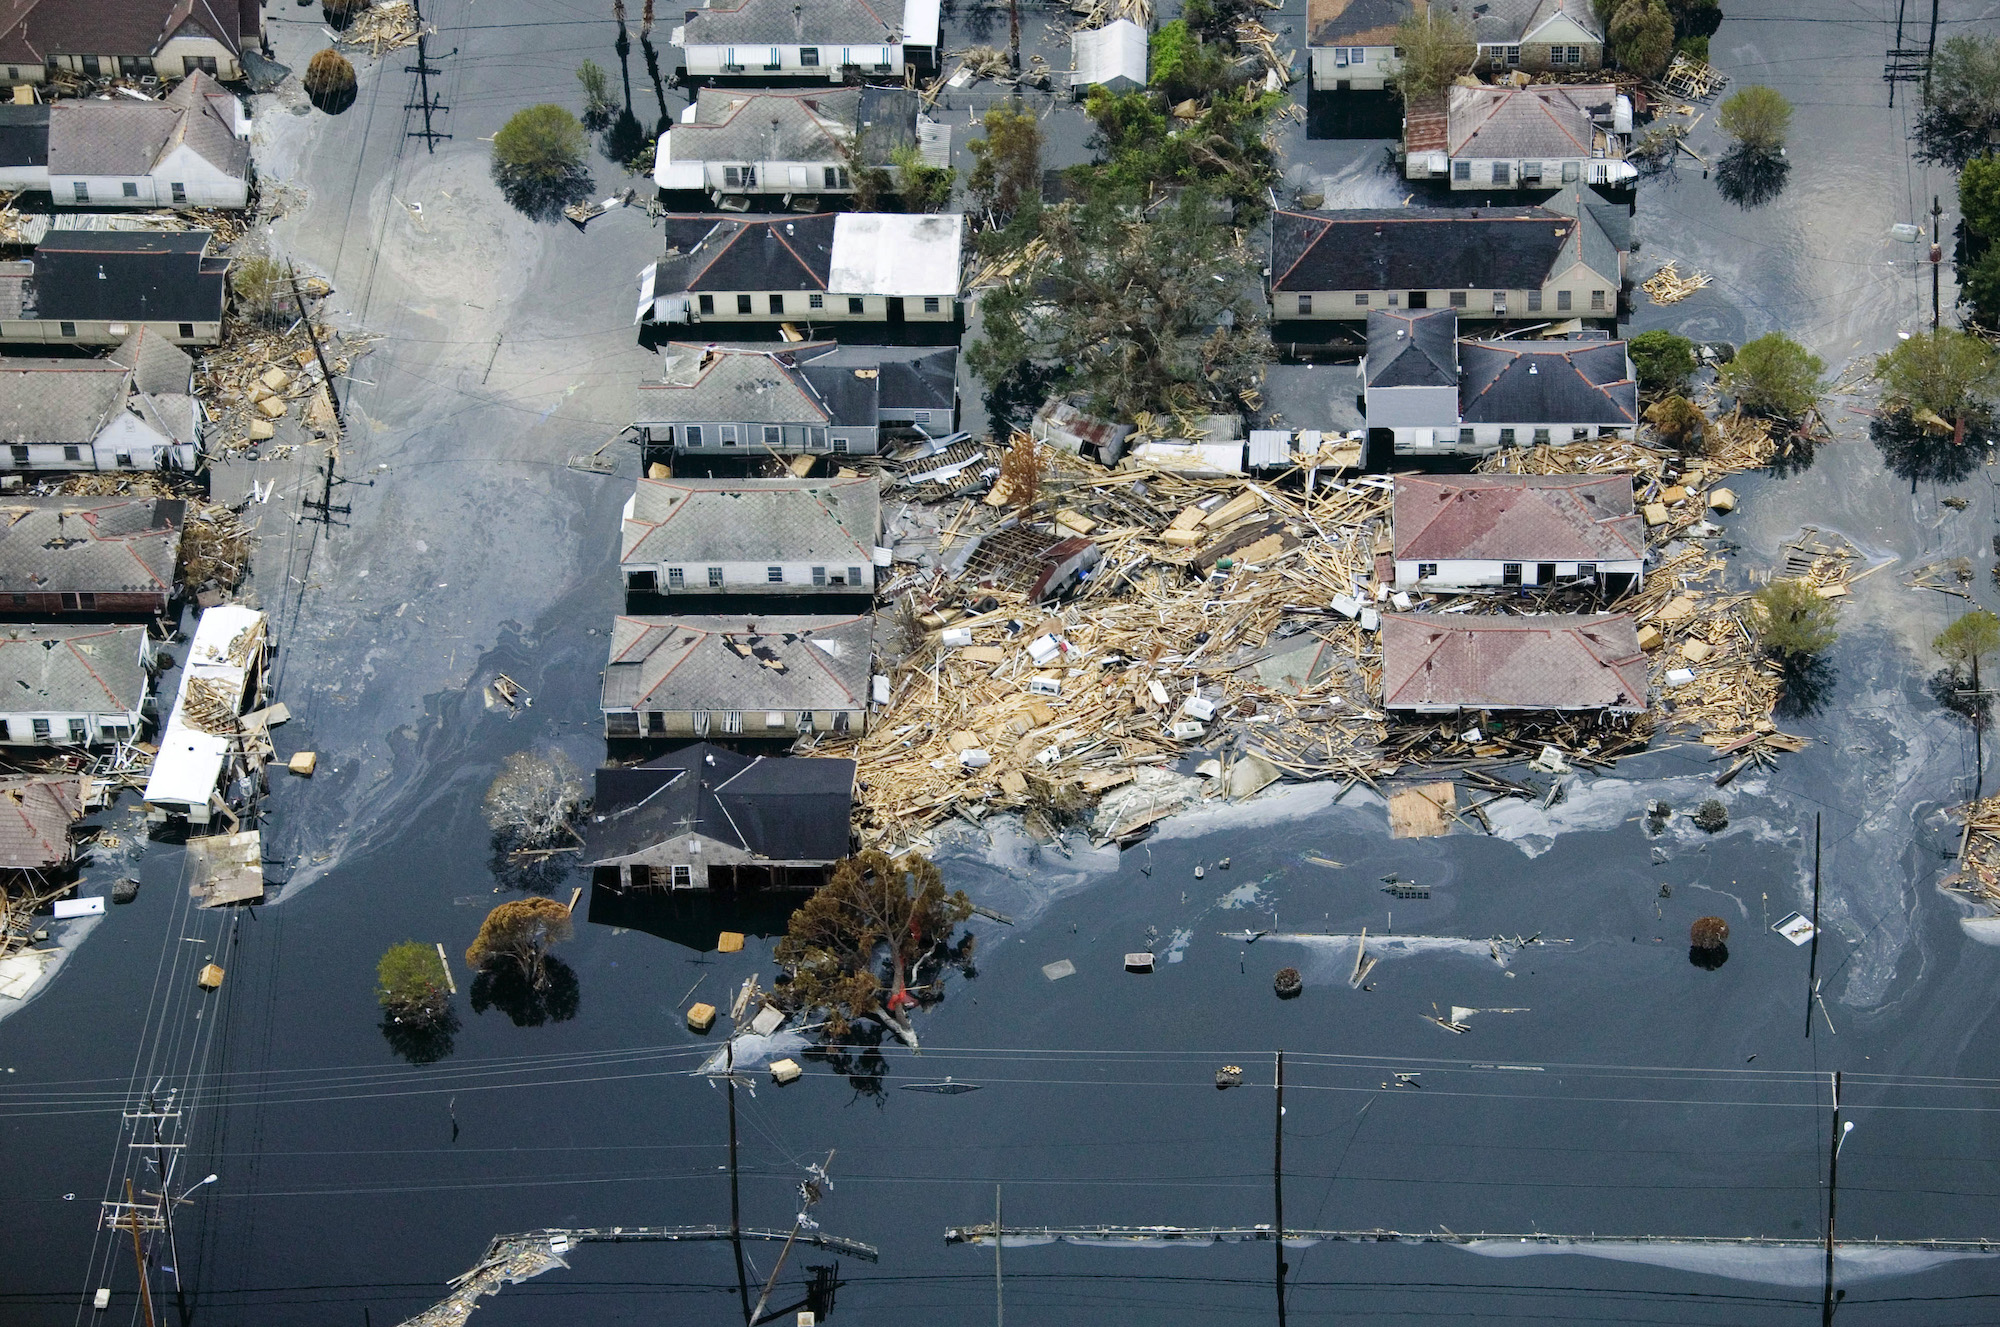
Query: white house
{"type": "Point", "coordinates": [1537, 36]}
{"type": "Point", "coordinates": [132, 410]}
{"type": "Point", "coordinates": [786, 142]}
{"type": "Point", "coordinates": [225, 663]}
{"type": "Point", "coordinates": [1352, 43]}
{"type": "Point", "coordinates": [73, 686]}
{"type": "Point", "coordinates": [1538, 137]}
{"type": "Point", "coordinates": [708, 537]}
{"type": "Point", "coordinates": [1111, 57]}
{"type": "Point", "coordinates": [191, 149]}
{"type": "Point", "coordinates": [1476, 532]}
{"type": "Point", "coordinates": [774, 40]}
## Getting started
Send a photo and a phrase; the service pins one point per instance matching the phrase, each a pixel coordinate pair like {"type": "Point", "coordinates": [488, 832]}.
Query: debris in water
{"type": "Point", "coordinates": [1288, 983]}
{"type": "Point", "coordinates": [1229, 1075]}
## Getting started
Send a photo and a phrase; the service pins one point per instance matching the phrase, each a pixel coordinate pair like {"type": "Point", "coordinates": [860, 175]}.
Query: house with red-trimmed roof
{"type": "Point", "coordinates": [1542, 136]}
{"type": "Point", "coordinates": [73, 685]}
{"type": "Point", "coordinates": [710, 537]}
{"type": "Point", "coordinates": [846, 267]}
{"type": "Point", "coordinates": [1473, 532]}
{"type": "Point", "coordinates": [738, 678]}
{"type": "Point", "coordinates": [1439, 663]}
{"type": "Point", "coordinates": [105, 39]}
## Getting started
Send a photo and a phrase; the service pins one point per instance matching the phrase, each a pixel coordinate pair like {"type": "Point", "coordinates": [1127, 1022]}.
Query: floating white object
{"type": "Point", "coordinates": [974, 758]}
{"type": "Point", "coordinates": [954, 637]}
{"type": "Point", "coordinates": [768, 1020]}
{"type": "Point", "coordinates": [1471, 736]}
{"type": "Point", "coordinates": [1185, 730]}
{"type": "Point", "coordinates": [1906, 232]}
{"type": "Point", "coordinates": [79, 907]}
{"type": "Point", "coordinates": [1059, 969]}
{"type": "Point", "coordinates": [880, 689]}
{"type": "Point", "coordinates": [1141, 962]}
{"type": "Point", "coordinates": [1796, 928]}
{"type": "Point", "coordinates": [785, 1071]}
{"type": "Point", "coordinates": [102, 1299]}
{"type": "Point", "coordinates": [1196, 707]}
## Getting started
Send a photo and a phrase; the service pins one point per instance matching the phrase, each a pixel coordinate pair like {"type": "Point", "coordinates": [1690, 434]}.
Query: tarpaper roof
{"type": "Point", "coordinates": [1419, 248]}
{"type": "Point", "coordinates": [126, 276]}
{"type": "Point", "coordinates": [1412, 348]}
{"type": "Point", "coordinates": [1546, 382]}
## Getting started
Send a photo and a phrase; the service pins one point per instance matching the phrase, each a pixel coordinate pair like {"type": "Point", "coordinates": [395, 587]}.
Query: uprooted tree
{"type": "Point", "coordinates": [517, 935]}
{"type": "Point", "coordinates": [876, 931]}
{"type": "Point", "coordinates": [533, 799]}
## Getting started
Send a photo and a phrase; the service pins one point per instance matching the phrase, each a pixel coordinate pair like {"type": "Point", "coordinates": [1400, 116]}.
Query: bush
{"type": "Point", "coordinates": [1437, 47]}
{"type": "Point", "coordinates": [1679, 421]}
{"type": "Point", "coordinates": [538, 160]}
{"type": "Point", "coordinates": [1642, 37]}
{"type": "Point", "coordinates": [1709, 932]}
{"type": "Point", "coordinates": [597, 103]}
{"type": "Point", "coordinates": [1757, 117]}
{"type": "Point", "coordinates": [1774, 375]}
{"type": "Point", "coordinates": [1979, 286]}
{"type": "Point", "coordinates": [1947, 373]}
{"type": "Point", "coordinates": [412, 985]}
{"type": "Point", "coordinates": [921, 188]}
{"type": "Point", "coordinates": [1664, 361]}
{"type": "Point", "coordinates": [1794, 622]}
{"type": "Point", "coordinates": [1711, 817]}
{"type": "Point", "coordinates": [261, 288]}
{"type": "Point", "coordinates": [329, 81]}
{"type": "Point", "coordinates": [1979, 196]}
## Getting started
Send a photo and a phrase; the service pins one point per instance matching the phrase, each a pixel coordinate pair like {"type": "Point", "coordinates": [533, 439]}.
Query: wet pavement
{"type": "Point", "coordinates": [1630, 1092]}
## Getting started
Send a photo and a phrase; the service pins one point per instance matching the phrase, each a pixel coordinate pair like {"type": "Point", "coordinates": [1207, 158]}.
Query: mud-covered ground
{"type": "Point", "coordinates": [1627, 1091]}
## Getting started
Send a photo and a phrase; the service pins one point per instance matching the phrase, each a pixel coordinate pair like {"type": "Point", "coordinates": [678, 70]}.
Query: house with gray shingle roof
{"type": "Point", "coordinates": [785, 141]}
{"type": "Point", "coordinates": [132, 410]}
{"type": "Point", "coordinates": [102, 39]}
{"type": "Point", "coordinates": [1437, 663]}
{"type": "Point", "coordinates": [37, 817]}
{"type": "Point", "coordinates": [694, 537]}
{"type": "Point", "coordinates": [1538, 36]}
{"type": "Point", "coordinates": [73, 686]}
{"type": "Point", "coordinates": [735, 678]}
{"type": "Point", "coordinates": [191, 149]}
{"type": "Point", "coordinates": [1538, 137]}
{"type": "Point", "coordinates": [1471, 532]}
{"type": "Point", "coordinates": [780, 40]}
{"type": "Point", "coordinates": [67, 555]}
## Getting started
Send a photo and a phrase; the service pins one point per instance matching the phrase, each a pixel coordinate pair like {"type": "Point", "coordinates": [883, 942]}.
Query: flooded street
{"type": "Point", "coordinates": [1604, 1084]}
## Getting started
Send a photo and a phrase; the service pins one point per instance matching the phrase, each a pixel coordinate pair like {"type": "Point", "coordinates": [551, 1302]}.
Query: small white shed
{"type": "Point", "coordinates": [1113, 56]}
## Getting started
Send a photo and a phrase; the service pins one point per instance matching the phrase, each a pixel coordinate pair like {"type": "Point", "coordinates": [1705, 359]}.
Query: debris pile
{"type": "Point", "coordinates": [251, 381]}
{"type": "Point", "coordinates": [1668, 286]}
{"type": "Point", "coordinates": [215, 549]}
{"type": "Point", "coordinates": [385, 27]}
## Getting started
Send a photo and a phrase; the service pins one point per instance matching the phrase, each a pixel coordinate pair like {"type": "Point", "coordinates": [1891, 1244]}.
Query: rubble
{"type": "Point", "coordinates": [389, 26]}
{"type": "Point", "coordinates": [1668, 286]}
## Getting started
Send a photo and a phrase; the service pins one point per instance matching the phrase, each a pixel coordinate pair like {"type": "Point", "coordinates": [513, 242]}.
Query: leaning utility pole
{"type": "Point", "coordinates": [1937, 257]}
{"type": "Point", "coordinates": [810, 1193]}
{"type": "Point", "coordinates": [999, 1294]}
{"type": "Point", "coordinates": [139, 1258]}
{"type": "Point", "coordinates": [323, 504]}
{"type": "Point", "coordinates": [1812, 970]}
{"type": "Point", "coordinates": [1832, 1186]}
{"type": "Point", "coordinates": [1277, 1187]}
{"type": "Point", "coordinates": [735, 1199]}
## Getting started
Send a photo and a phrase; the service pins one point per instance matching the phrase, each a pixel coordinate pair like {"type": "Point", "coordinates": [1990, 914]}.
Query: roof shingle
{"type": "Point", "coordinates": [1517, 518]}
{"type": "Point", "coordinates": [1557, 661]}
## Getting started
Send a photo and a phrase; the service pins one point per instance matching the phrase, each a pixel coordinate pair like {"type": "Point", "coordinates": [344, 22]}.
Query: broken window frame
{"type": "Point", "coordinates": [732, 721]}
{"type": "Point", "coordinates": [676, 578]}
{"type": "Point", "coordinates": [715, 578]}
{"type": "Point", "coordinates": [1510, 574]}
{"type": "Point", "coordinates": [1427, 571]}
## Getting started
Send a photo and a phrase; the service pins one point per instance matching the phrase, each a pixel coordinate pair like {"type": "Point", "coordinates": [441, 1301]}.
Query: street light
{"type": "Point", "coordinates": [1846, 1128]}
{"type": "Point", "coordinates": [167, 1209]}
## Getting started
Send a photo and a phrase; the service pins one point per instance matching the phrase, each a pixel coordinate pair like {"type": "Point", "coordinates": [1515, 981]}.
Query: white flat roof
{"type": "Point", "coordinates": [921, 19]}
{"type": "Point", "coordinates": [190, 761]}
{"type": "Point", "coordinates": [881, 253]}
{"type": "Point", "coordinates": [671, 174]}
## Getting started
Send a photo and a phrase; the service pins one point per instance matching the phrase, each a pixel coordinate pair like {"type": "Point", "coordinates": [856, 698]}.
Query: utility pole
{"type": "Point", "coordinates": [324, 504]}
{"type": "Point", "coordinates": [735, 1200]}
{"type": "Point", "coordinates": [425, 102]}
{"type": "Point", "coordinates": [1906, 64]}
{"type": "Point", "coordinates": [1278, 1186]}
{"type": "Point", "coordinates": [1937, 257]}
{"type": "Point", "coordinates": [139, 1258]}
{"type": "Point", "coordinates": [1812, 972]}
{"type": "Point", "coordinates": [1014, 39]}
{"type": "Point", "coordinates": [810, 1194]}
{"type": "Point", "coordinates": [1930, 54]}
{"type": "Point", "coordinates": [999, 1296]}
{"type": "Point", "coordinates": [1832, 1189]}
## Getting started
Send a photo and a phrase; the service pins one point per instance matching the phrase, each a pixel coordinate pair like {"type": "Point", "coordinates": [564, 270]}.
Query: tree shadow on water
{"type": "Point", "coordinates": [542, 197]}
{"type": "Point", "coordinates": [625, 138]}
{"type": "Point", "coordinates": [1805, 688]}
{"type": "Point", "coordinates": [863, 1065]}
{"type": "Point", "coordinates": [421, 1043]}
{"type": "Point", "coordinates": [1751, 177]}
{"type": "Point", "coordinates": [504, 988]}
{"type": "Point", "coordinates": [1954, 691]}
{"type": "Point", "coordinates": [1708, 960]}
{"type": "Point", "coordinates": [1915, 453]}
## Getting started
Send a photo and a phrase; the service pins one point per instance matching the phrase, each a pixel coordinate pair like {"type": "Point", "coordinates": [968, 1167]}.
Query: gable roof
{"type": "Point", "coordinates": [1412, 348]}
{"type": "Point", "coordinates": [1418, 248]}
{"type": "Point", "coordinates": [35, 820]}
{"type": "Point", "coordinates": [33, 30]}
{"type": "Point", "coordinates": [1546, 120]}
{"type": "Point", "coordinates": [89, 545]}
{"type": "Point", "coordinates": [776, 124]}
{"type": "Point", "coordinates": [1545, 382]}
{"type": "Point", "coordinates": [208, 124]}
{"type": "Point", "coordinates": [828, 521]}
{"type": "Point", "coordinates": [814, 383]}
{"type": "Point", "coordinates": [782, 808]}
{"type": "Point", "coordinates": [115, 137]}
{"type": "Point", "coordinates": [66, 401]}
{"type": "Point", "coordinates": [1511, 22]}
{"type": "Point", "coordinates": [1556, 661]}
{"type": "Point", "coordinates": [159, 367]}
{"type": "Point", "coordinates": [788, 23]}
{"type": "Point", "coordinates": [904, 377]}
{"type": "Point", "coordinates": [1517, 518]}
{"type": "Point", "coordinates": [122, 275]}
{"type": "Point", "coordinates": [1356, 22]}
{"type": "Point", "coordinates": [706, 253]}
{"type": "Point", "coordinates": [71, 670]}
{"type": "Point", "coordinates": [688, 664]}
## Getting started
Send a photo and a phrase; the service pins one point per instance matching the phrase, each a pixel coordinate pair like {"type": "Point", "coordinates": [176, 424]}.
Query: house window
{"type": "Point", "coordinates": [180, 192]}
{"type": "Point", "coordinates": [743, 304]}
{"type": "Point", "coordinates": [854, 304]}
{"type": "Point", "coordinates": [832, 176]}
{"type": "Point", "coordinates": [13, 73]}
{"type": "Point", "coordinates": [1465, 438]}
{"type": "Point", "coordinates": [1506, 437]}
{"type": "Point", "coordinates": [71, 453]}
{"type": "Point", "coordinates": [131, 188]}
{"type": "Point", "coordinates": [682, 877]}
{"type": "Point", "coordinates": [1534, 301]}
{"type": "Point", "coordinates": [715, 578]}
{"type": "Point", "coordinates": [840, 444]}
{"type": "Point", "coordinates": [774, 436]}
{"type": "Point", "coordinates": [1461, 170]}
{"type": "Point", "coordinates": [1457, 299]}
{"type": "Point", "coordinates": [816, 301]}
{"type": "Point", "coordinates": [1426, 570]}
{"type": "Point", "coordinates": [691, 435]}
{"type": "Point", "coordinates": [1541, 437]}
{"type": "Point", "coordinates": [726, 434]}
{"type": "Point", "coordinates": [118, 732]}
{"type": "Point", "coordinates": [124, 460]}
{"type": "Point", "coordinates": [774, 575]}
{"type": "Point", "coordinates": [854, 575]}
{"type": "Point", "coordinates": [773, 60]}
{"type": "Point", "coordinates": [205, 63]}
{"type": "Point", "coordinates": [1575, 54]}
{"type": "Point", "coordinates": [1531, 172]}
{"type": "Point", "coordinates": [81, 190]}
{"type": "Point", "coordinates": [621, 725]}
{"type": "Point", "coordinates": [708, 304]}
{"type": "Point", "coordinates": [729, 59]}
{"type": "Point", "coordinates": [187, 331]}
{"type": "Point", "coordinates": [79, 732]}
{"type": "Point", "coordinates": [1510, 573]}
{"type": "Point", "coordinates": [1305, 304]}
{"type": "Point", "coordinates": [1499, 301]}
{"type": "Point", "coordinates": [41, 730]}
{"type": "Point", "coordinates": [1513, 56]}
{"type": "Point", "coordinates": [1361, 300]}
{"type": "Point", "coordinates": [1357, 55]}
{"type": "Point", "coordinates": [1597, 300]}
{"type": "Point", "coordinates": [20, 454]}
{"type": "Point", "coordinates": [805, 721]}
{"type": "Point", "coordinates": [1587, 570]}
{"type": "Point", "coordinates": [808, 57]}
{"type": "Point", "coordinates": [732, 721]}
{"type": "Point", "coordinates": [1499, 172]}
{"type": "Point", "coordinates": [819, 576]}
{"type": "Point", "coordinates": [67, 329]}
{"type": "Point", "coordinates": [840, 721]}
{"type": "Point", "coordinates": [774, 718]}
{"type": "Point", "coordinates": [777, 304]}
{"type": "Point", "coordinates": [1562, 300]}
{"type": "Point", "coordinates": [1340, 57]}
{"type": "Point", "coordinates": [1571, 171]}
{"type": "Point", "coordinates": [676, 578]}
{"type": "Point", "coordinates": [931, 304]}
{"type": "Point", "coordinates": [91, 67]}
{"type": "Point", "coordinates": [131, 66]}
{"type": "Point", "coordinates": [1395, 298]}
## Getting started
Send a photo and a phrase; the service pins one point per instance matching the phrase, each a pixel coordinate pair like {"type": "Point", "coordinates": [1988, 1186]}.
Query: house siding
{"type": "Point", "coordinates": [62, 605]}
{"type": "Point", "coordinates": [757, 61]}
{"type": "Point", "coordinates": [18, 729]}
{"type": "Point", "coordinates": [754, 578]}
{"type": "Point", "coordinates": [1479, 573]}
{"type": "Point", "coordinates": [797, 304]}
{"type": "Point", "coordinates": [201, 184]}
{"type": "Point", "coordinates": [632, 723]}
{"type": "Point", "coordinates": [779, 177]}
{"type": "Point", "coordinates": [50, 332]}
{"type": "Point", "coordinates": [1341, 305]}
{"type": "Point", "coordinates": [795, 440]}
{"type": "Point", "coordinates": [176, 58]}
{"type": "Point", "coordinates": [124, 436]}
{"type": "Point", "coordinates": [1446, 441]}
{"type": "Point", "coordinates": [1377, 69]}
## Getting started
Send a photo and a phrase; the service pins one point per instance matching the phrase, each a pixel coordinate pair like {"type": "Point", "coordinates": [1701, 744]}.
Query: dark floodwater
{"type": "Point", "coordinates": [1630, 1092]}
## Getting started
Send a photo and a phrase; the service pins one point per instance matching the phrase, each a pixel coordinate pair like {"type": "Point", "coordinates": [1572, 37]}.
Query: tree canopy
{"type": "Point", "coordinates": [1971, 637]}
{"type": "Point", "coordinates": [1794, 622]}
{"type": "Point", "coordinates": [1641, 37]}
{"type": "Point", "coordinates": [1775, 375]}
{"type": "Point", "coordinates": [1664, 360]}
{"type": "Point", "coordinates": [542, 142]}
{"type": "Point", "coordinates": [1007, 163]}
{"type": "Point", "coordinates": [1961, 111]}
{"type": "Point", "coordinates": [412, 985]}
{"type": "Point", "coordinates": [1979, 286]}
{"type": "Point", "coordinates": [1437, 47]}
{"type": "Point", "coordinates": [1949, 374]}
{"type": "Point", "coordinates": [1757, 116]}
{"type": "Point", "coordinates": [520, 933]}
{"type": "Point", "coordinates": [1679, 421]}
{"type": "Point", "coordinates": [533, 798]}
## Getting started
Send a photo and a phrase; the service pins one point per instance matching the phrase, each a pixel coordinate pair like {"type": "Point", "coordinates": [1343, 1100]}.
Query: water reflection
{"type": "Point", "coordinates": [1710, 958]}
{"type": "Point", "coordinates": [1750, 177]}
{"type": "Point", "coordinates": [422, 1043]}
{"type": "Point", "coordinates": [1915, 453]}
{"type": "Point", "coordinates": [1805, 687]}
{"type": "Point", "coordinates": [543, 197]}
{"type": "Point", "coordinates": [1953, 690]}
{"type": "Point", "coordinates": [862, 1063]}
{"type": "Point", "coordinates": [505, 988]}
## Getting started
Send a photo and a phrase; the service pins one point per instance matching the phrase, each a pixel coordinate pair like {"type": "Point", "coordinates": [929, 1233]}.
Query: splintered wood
{"type": "Point", "coordinates": [1979, 852]}
{"type": "Point", "coordinates": [1668, 286]}
{"type": "Point", "coordinates": [252, 380]}
{"type": "Point", "coordinates": [383, 27]}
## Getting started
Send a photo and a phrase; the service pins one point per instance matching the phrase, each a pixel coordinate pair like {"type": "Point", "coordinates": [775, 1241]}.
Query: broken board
{"type": "Point", "coordinates": [1423, 812]}
{"type": "Point", "coordinates": [228, 868]}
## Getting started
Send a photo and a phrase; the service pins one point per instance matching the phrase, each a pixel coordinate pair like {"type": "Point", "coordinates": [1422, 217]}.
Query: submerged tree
{"type": "Point", "coordinates": [1679, 421]}
{"type": "Point", "coordinates": [1961, 115]}
{"type": "Point", "coordinates": [263, 293]}
{"type": "Point", "coordinates": [538, 160]}
{"type": "Point", "coordinates": [329, 81]}
{"type": "Point", "coordinates": [1437, 47]}
{"type": "Point", "coordinates": [534, 798]}
{"type": "Point", "coordinates": [1664, 360]}
{"type": "Point", "coordinates": [1969, 639]}
{"type": "Point", "coordinates": [1641, 37]}
{"type": "Point", "coordinates": [878, 928]}
{"type": "Point", "coordinates": [1774, 375]}
{"type": "Point", "coordinates": [1793, 620]}
{"type": "Point", "coordinates": [411, 984]}
{"type": "Point", "coordinates": [517, 935]}
{"type": "Point", "coordinates": [1757, 117]}
{"type": "Point", "coordinates": [921, 187]}
{"type": "Point", "coordinates": [1007, 163]}
{"type": "Point", "coordinates": [597, 102]}
{"type": "Point", "coordinates": [1946, 377]}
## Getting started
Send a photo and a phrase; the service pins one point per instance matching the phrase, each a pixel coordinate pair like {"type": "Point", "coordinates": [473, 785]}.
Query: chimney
{"type": "Point", "coordinates": [798, 22]}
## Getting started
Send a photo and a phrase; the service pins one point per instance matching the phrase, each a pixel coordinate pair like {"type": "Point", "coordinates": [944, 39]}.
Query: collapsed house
{"type": "Point", "coordinates": [132, 410]}
{"type": "Point", "coordinates": [1439, 663]}
{"type": "Point", "coordinates": [1534, 137]}
{"type": "Point", "coordinates": [733, 142]}
{"type": "Point", "coordinates": [1472, 532]}
{"type": "Point", "coordinates": [1065, 427]}
{"type": "Point", "coordinates": [1435, 394]}
{"type": "Point", "coordinates": [707, 818]}
{"type": "Point", "coordinates": [96, 287]}
{"type": "Point", "coordinates": [769, 678]}
{"type": "Point", "coordinates": [845, 267]}
{"type": "Point", "coordinates": [73, 686]}
{"type": "Point", "coordinates": [1022, 559]}
{"type": "Point", "coordinates": [830, 39]}
{"type": "Point", "coordinates": [752, 536]}
{"type": "Point", "coordinates": [66, 555]}
{"type": "Point", "coordinates": [203, 746]}
{"type": "Point", "coordinates": [811, 398]}
{"type": "Point", "coordinates": [38, 822]}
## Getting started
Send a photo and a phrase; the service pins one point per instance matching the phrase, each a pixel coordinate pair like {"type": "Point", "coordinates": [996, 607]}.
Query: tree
{"type": "Point", "coordinates": [1158, 314]}
{"type": "Point", "coordinates": [261, 288]}
{"type": "Point", "coordinates": [1979, 196]}
{"type": "Point", "coordinates": [879, 924]}
{"type": "Point", "coordinates": [597, 103]}
{"type": "Point", "coordinates": [329, 81]}
{"type": "Point", "coordinates": [1979, 286]}
{"type": "Point", "coordinates": [538, 160]}
{"type": "Point", "coordinates": [1793, 621]}
{"type": "Point", "coordinates": [1948, 375]}
{"type": "Point", "coordinates": [1756, 116]}
{"type": "Point", "coordinates": [1664, 361]}
{"type": "Point", "coordinates": [1961, 112]}
{"type": "Point", "coordinates": [1007, 163]}
{"type": "Point", "coordinates": [1021, 472]}
{"type": "Point", "coordinates": [1679, 421]}
{"type": "Point", "coordinates": [412, 985]}
{"type": "Point", "coordinates": [1775, 375]}
{"type": "Point", "coordinates": [1641, 37]}
{"type": "Point", "coordinates": [1437, 47]}
{"type": "Point", "coordinates": [1184, 66]}
{"type": "Point", "coordinates": [1708, 932]}
{"type": "Point", "coordinates": [1970, 638]}
{"type": "Point", "coordinates": [921, 188]}
{"type": "Point", "coordinates": [1225, 151]}
{"type": "Point", "coordinates": [533, 798]}
{"type": "Point", "coordinates": [519, 933]}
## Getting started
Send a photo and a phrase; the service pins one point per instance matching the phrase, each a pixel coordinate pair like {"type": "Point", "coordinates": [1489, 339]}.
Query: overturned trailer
{"type": "Point", "coordinates": [203, 747]}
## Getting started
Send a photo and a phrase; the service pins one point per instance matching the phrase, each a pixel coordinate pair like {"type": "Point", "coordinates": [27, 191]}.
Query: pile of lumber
{"type": "Point", "coordinates": [215, 548]}
{"type": "Point", "coordinates": [1668, 286]}
{"type": "Point", "coordinates": [1097, 13]}
{"type": "Point", "coordinates": [250, 381]}
{"type": "Point", "coordinates": [384, 27]}
{"type": "Point", "coordinates": [1979, 851]}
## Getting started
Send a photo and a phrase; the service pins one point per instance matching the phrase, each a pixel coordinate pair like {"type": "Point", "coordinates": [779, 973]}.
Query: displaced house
{"type": "Point", "coordinates": [1352, 43]}
{"type": "Point", "coordinates": [813, 397]}
{"type": "Point", "coordinates": [1469, 532]}
{"type": "Point", "coordinates": [66, 555]}
{"type": "Point", "coordinates": [1567, 256]}
{"type": "Point", "coordinates": [1438, 663]}
{"type": "Point", "coordinates": [781, 142]}
{"type": "Point", "coordinates": [849, 267]}
{"type": "Point", "coordinates": [191, 149]}
{"type": "Point", "coordinates": [73, 686]}
{"type": "Point", "coordinates": [713, 819]}
{"type": "Point", "coordinates": [1535, 36]}
{"type": "Point", "coordinates": [202, 747]}
{"type": "Point", "coordinates": [102, 39]}
{"type": "Point", "coordinates": [1112, 57]}
{"type": "Point", "coordinates": [752, 536]}
{"type": "Point", "coordinates": [1537, 137]}
{"type": "Point", "coordinates": [754, 679]}
{"type": "Point", "coordinates": [1025, 560]}
{"type": "Point", "coordinates": [1438, 395]}
{"type": "Point", "coordinates": [1063, 426]}
{"type": "Point", "coordinates": [24, 148]}
{"type": "Point", "coordinates": [37, 822]}
{"type": "Point", "coordinates": [132, 410]}
{"type": "Point", "coordinates": [829, 39]}
{"type": "Point", "coordinates": [96, 287]}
